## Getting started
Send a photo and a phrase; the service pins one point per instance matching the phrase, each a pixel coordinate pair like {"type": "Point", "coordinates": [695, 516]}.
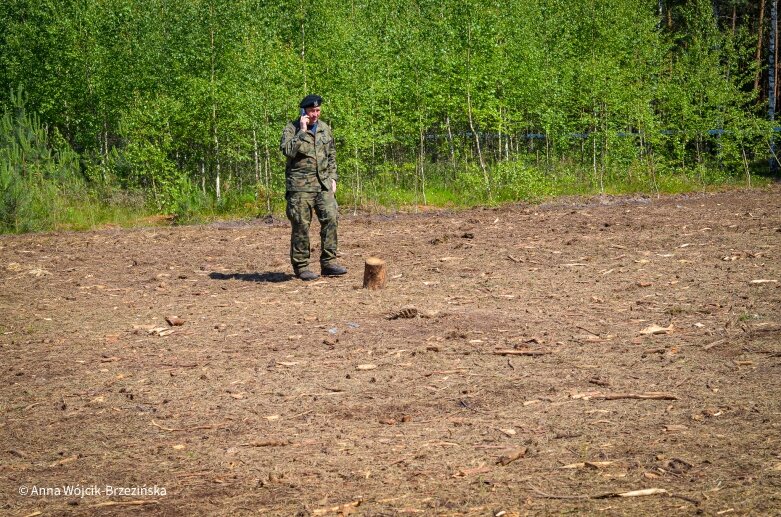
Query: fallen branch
{"type": "Point", "coordinates": [196, 428]}
{"type": "Point", "coordinates": [267, 443]}
{"type": "Point", "coordinates": [608, 495]}
{"type": "Point", "coordinates": [588, 464]}
{"type": "Point", "coordinates": [715, 343]}
{"type": "Point", "coordinates": [125, 503]}
{"type": "Point", "coordinates": [587, 330]}
{"type": "Point", "coordinates": [644, 492]}
{"type": "Point", "coordinates": [445, 372]}
{"type": "Point", "coordinates": [651, 395]}
{"type": "Point", "coordinates": [520, 352]}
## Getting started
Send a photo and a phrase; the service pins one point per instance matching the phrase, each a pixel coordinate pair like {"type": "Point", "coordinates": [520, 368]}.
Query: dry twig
{"type": "Point", "coordinates": [125, 503]}
{"type": "Point", "coordinates": [520, 352]}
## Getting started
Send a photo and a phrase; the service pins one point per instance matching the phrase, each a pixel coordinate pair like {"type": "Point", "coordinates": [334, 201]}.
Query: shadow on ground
{"type": "Point", "coordinates": [267, 276]}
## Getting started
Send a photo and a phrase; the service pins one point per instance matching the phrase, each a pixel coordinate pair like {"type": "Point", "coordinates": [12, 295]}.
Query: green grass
{"type": "Point", "coordinates": [510, 184]}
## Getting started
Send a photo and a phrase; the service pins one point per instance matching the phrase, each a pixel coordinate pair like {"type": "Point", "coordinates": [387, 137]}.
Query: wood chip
{"type": "Point", "coordinates": [644, 492]}
{"type": "Point", "coordinates": [511, 455]}
{"type": "Point", "coordinates": [267, 443]}
{"type": "Point", "coordinates": [589, 464]}
{"type": "Point", "coordinates": [364, 367]}
{"type": "Point", "coordinates": [466, 472]}
{"type": "Point", "coordinates": [63, 461]}
{"type": "Point", "coordinates": [343, 509]}
{"type": "Point", "coordinates": [175, 321]}
{"type": "Point", "coordinates": [656, 329]}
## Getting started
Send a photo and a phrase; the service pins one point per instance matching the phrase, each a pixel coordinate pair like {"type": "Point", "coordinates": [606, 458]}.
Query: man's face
{"type": "Point", "coordinates": [313, 112]}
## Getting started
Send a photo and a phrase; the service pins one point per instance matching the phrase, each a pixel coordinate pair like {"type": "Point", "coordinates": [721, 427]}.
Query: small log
{"type": "Point", "coordinates": [375, 274]}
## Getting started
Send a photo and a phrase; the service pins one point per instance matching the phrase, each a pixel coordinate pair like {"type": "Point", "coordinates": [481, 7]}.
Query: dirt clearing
{"type": "Point", "coordinates": [615, 356]}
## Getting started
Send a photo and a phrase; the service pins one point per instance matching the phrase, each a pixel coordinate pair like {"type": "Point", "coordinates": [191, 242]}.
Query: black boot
{"type": "Point", "coordinates": [333, 270]}
{"type": "Point", "coordinates": [307, 275]}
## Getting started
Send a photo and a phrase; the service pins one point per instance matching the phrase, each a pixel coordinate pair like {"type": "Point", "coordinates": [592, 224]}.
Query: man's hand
{"type": "Point", "coordinates": [304, 121]}
{"type": "Point", "coordinates": [333, 185]}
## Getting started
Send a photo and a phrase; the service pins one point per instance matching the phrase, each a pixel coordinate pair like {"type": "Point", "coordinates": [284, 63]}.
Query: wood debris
{"type": "Point", "coordinates": [406, 312]}
{"type": "Point", "coordinates": [520, 352]}
{"type": "Point", "coordinates": [342, 509]}
{"type": "Point", "coordinates": [511, 455]}
{"type": "Point", "coordinates": [64, 461]}
{"type": "Point", "coordinates": [650, 395]}
{"type": "Point", "coordinates": [267, 443]}
{"type": "Point", "coordinates": [125, 503]}
{"type": "Point", "coordinates": [632, 493]}
{"type": "Point", "coordinates": [466, 472]}
{"type": "Point", "coordinates": [656, 329]}
{"type": "Point", "coordinates": [196, 428]}
{"type": "Point", "coordinates": [175, 321]}
{"type": "Point", "coordinates": [588, 464]}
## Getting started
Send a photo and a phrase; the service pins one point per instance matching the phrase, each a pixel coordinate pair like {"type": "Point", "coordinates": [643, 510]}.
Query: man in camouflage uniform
{"type": "Point", "coordinates": [310, 184]}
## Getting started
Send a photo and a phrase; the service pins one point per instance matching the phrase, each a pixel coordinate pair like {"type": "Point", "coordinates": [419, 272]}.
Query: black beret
{"type": "Point", "coordinates": [311, 101]}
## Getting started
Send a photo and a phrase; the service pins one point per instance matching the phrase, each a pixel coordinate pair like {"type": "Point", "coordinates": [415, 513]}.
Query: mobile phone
{"type": "Point", "coordinates": [303, 112]}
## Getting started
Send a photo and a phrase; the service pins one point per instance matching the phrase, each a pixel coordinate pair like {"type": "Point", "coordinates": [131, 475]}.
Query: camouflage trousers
{"type": "Point", "coordinates": [299, 212]}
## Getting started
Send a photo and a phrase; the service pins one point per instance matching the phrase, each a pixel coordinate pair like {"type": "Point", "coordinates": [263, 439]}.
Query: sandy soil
{"type": "Point", "coordinates": [526, 360]}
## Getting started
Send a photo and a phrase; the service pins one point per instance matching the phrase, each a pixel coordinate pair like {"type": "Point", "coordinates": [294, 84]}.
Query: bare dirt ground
{"type": "Point", "coordinates": [554, 357]}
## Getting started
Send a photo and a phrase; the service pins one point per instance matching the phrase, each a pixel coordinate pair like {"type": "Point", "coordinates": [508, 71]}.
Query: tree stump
{"type": "Point", "coordinates": [375, 274]}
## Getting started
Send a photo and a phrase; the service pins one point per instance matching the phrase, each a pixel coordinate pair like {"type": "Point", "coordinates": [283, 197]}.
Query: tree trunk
{"type": "Point", "coordinates": [477, 143]}
{"type": "Point", "coordinates": [469, 112]}
{"type": "Point", "coordinates": [267, 167]}
{"type": "Point", "coordinates": [256, 156]}
{"type": "Point", "coordinates": [759, 43]}
{"type": "Point", "coordinates": [450, 145]}
{"type": "Point", "coordinates": [356, 183]}
{"type": "Point", "coordinates": [771, 78]}
{"type": "Point", "coordinates": [214, 121]}
{"type": "Point", "coordinates": [303, 51]}
{"type": "Point", "coordinates": [421, 160]}
{"type": "Point", "coordinates": [774, 25]}
{"type": "Point", "coordinates": [375, 274]}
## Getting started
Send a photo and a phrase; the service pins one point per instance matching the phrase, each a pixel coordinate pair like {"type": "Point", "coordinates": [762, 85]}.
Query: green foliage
{"type": "Point", "coordinates": [36, 174]}
{"type": "Point", "coordinates": [183, 103]}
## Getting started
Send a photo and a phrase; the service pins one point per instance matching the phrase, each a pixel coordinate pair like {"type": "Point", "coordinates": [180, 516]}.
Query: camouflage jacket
{"type": "Point", "coordinates": [311, 159]}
